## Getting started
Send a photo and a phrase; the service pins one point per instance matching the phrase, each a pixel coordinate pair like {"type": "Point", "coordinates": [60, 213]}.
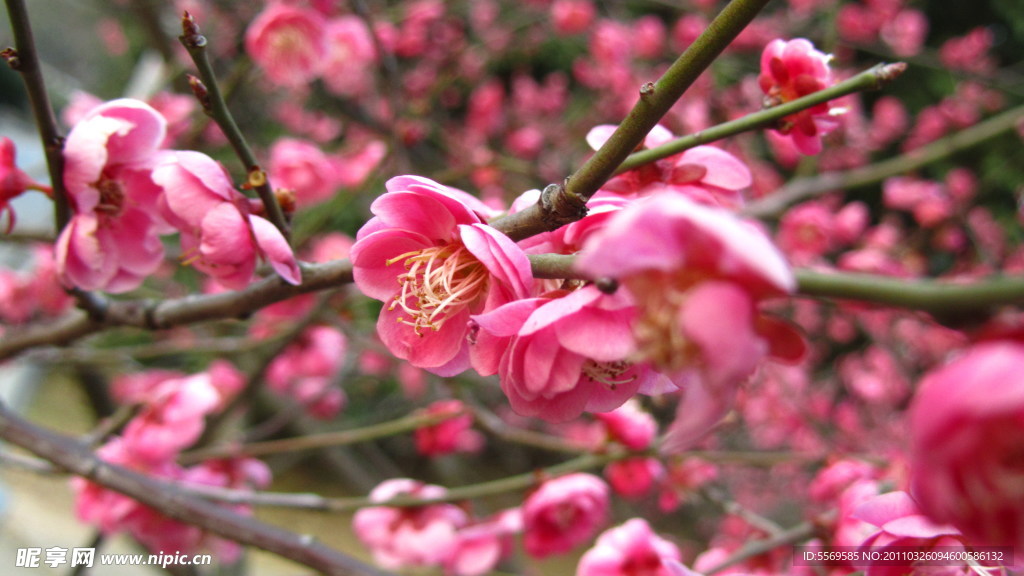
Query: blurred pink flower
{"type": "Point", "coordinates": [572, 16]}
{"type": "Point", "coordinates": [902, 525]}
{"type": "Point", "coordinates": [351, 57]}
{"type": "Point", "coordinates": [289, 43]}
{"type": "Point", "coordinates": [430, 258]}
{"type": "Point", "coordinates": [630, 425]}
{"type": "Point", "coordinates": [792, 69]}
{"type": "Point", "coordinates": [629, 550]}
{"type": "Point", "coordinates": [302, 167]}
{"type": "Point", "coordinates": [13, 181]}
{"type": "Point", "coordinates": [112, 240]}
{"type": "Point", "coordinates": [307, 370]}
{"type": "Point", "coordinates": [480, 546]}
{"type": "Point", "coordinates": [219, 235]}
{"type": "Point", "coordinates": [564, 513]}
{"type": "Point", "coordinates": [634, 477]}
{"type": "Point", "coordinates": [966, 424]}
{"type": "Point", "coordinates": [410, 536]}
{"type": "Point", "coordinates": [455, 434]}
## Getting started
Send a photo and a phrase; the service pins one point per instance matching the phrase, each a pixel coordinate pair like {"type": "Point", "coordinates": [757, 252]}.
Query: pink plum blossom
{"type": "Point", "coordinates": [634, 477]}
{"type": "Point", "coordinates": [219, 234]}
{"type": "Point", "coordinates": [630, 425]}
{"type": "Point", "coordinates": [351, 56]}
{"type": "Point", "coordinates": [705, 174]}
{"type": "Point", "coordinates": [559, 355]}
{"type": "Point", "coordinates": [572, 16]}
{"type": "Point", "coordinates": [564, 513]}
{"type": "Point", "coordinates": [792, 69]}
{"type": "Point", "coordinates": [428, 255]}
{"type": "Point", "coordinates": [411, 536]}
{"type": "Point", "coordinates": [174, 409]}
{"type": "Point", "coordinates": [454, 434]}
{"type": "Point", "coordinates": [307, 370]}
{"type": "Point", "coordinates": [901, 524]}
{"type": "Point", "coordinates": [288, 42]}
{"type": "Point", "coordinates": [629, 550]}
{"type": "Point", "coordinates": [302, 167]}
{"type": "Point", "coordinates": [112, 240]}
{"type": "Point", "coordinates": [697, 274]}
{"type": "Point", "coordinates": [965, 425]}
{"type": "Point", "coordinates": [480, 546]}
{"type": "Point", "coordinates": [13, 181]}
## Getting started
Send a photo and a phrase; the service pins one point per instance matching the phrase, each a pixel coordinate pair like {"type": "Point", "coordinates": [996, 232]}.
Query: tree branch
{"type": "Point", "coordinates": [25, 60]}
{"type": "Point", "coordinates": [153, 315]}
{"type": "Point", "coordinates": [209, 95]}
{"type": "Point", "coordinates": [873, 78]}
{"type": "Point", "coordinates": [562, 204]}
{"type": "Point", "coordinates": [802, 188]}
{"type": "Point", "coordinates": [174, 502]}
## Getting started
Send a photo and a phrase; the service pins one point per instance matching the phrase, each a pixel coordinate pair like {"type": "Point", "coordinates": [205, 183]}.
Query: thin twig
{"type": "Point", "coordinates": [315, 441]}
{"type": "Point", "coordinates": [802, 188]}
{"type": "Point", "coordinates": [872, 79]}
{"type": "Point", "coordinates": [213, 103]}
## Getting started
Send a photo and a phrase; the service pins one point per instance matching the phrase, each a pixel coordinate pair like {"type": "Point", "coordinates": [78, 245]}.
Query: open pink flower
{"type": "Point", "coordinates": [564, 513]}
{"type": "Point", "coordinates": [430, 258]}
{"type": "Point", "coordinates": [219, 235]}
{"type": "Point", "coordinates": [288, 42]}
{"type": "Point", "coordinates": [627, 550]}
{"type": "Point", "coordinates": [706, 174]}
{"type": "Point", "coordinates": [966, 424]}
{"type": "Point", "coordinates": [13, 181]}
{"type": "Point", "coordinates": [562, 354]}
{"type": "Point", "coordinates": [697, 274]}
{"type": "Point", "coordinates": [112, 240]}
{"type": "Point", "coordinates": [901, 525]}
{"type": "Point", "coordinates": [792, 69]}
{"type": "Point", "coordinates": [411, 536]}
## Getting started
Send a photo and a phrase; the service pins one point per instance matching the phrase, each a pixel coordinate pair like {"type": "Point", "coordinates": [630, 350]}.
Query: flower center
{"type": "Point", "coordinates": [439, 281]}
{"type": "Point", "coordinates": [659, 337]}
{"type": "Point", "coordinates": [111, 196]}
{"type": "Point", "coordinates": [608, 373]}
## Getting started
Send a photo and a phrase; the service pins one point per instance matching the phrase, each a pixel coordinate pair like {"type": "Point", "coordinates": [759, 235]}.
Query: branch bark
{"type": "Point", "coordinates": [174, 502]}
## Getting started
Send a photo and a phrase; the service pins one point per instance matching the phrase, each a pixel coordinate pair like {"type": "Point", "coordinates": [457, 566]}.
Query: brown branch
{"type": "Point", "coordinates": [154, 315]}
{"type": "Point", "coordinates": [174, 502]}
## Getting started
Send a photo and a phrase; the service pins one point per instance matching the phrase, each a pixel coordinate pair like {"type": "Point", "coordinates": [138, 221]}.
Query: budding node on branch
{"type": "Point", "coordinates": [200, 91]}
{"type": "Point", "coordinates": [10, 55]}
{"type": "Point", "coordinates": [647, 90]}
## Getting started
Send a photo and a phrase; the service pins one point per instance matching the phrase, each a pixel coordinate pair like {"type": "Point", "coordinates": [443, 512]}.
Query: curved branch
{"type": "Point", "coordinates": [152, 315]}
{"type": "Point", "coordinates": [174, 502]}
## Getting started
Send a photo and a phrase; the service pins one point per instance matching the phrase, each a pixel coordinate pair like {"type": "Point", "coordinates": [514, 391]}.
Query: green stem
{"type": "Point", "coordinates": [567, 204]}
{"type": "Point", "coordinates": [215, 106]}
{"type": "Point", "coordinates": [871, 79]}
{"type": "Point", "coordinates": [315, 441]}
{"type": "Point", "coordinates": [940, 298]}
{"type": "Point", "coordinates": [802, 188]}
{"type": "Point", "coordinates": [25, 60]}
